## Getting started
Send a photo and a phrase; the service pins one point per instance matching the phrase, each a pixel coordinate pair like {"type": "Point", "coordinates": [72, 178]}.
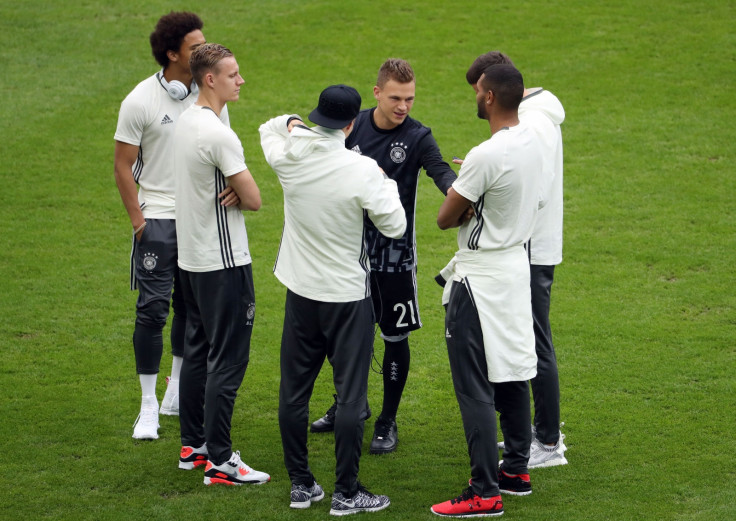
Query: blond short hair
{"type": "Point", "coordinates": [206, 58]}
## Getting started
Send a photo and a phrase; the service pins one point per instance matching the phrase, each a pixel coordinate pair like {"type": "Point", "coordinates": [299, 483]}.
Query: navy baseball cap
{"type": "Point", "coordinates": [338, 106]}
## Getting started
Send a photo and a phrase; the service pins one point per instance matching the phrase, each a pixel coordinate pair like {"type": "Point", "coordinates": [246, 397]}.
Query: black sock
{"type": "Point", "coordinates": [396, 359]}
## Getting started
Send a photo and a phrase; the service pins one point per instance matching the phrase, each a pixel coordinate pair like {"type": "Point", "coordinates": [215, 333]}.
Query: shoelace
{"type": "Point", "coordinates": [331, 411]}
{"type": "Point", "coordinates": [237, 462]}
{"type": "Point", "coordinates": [467, 495]}
{"type": "Point", "coordinates": [147, 415]}
{"type": "Point", "coordinates": [382, 429]}
{"type": "Point", "coordinates": [364, 498]}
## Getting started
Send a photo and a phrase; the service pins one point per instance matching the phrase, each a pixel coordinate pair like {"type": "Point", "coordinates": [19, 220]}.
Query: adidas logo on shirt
{"type": "Point", "coordinates": [356, 148]}
{"type": "Point", "coordinates": [166, 120]}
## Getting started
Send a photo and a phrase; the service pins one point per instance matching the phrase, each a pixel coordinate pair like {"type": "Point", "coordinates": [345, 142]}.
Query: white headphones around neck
{"type": "Point", "coordinates": [176, 89]}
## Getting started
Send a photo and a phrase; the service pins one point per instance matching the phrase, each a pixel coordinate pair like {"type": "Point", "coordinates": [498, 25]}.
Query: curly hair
{"type": "Point", "coordinates": [395, 69]}
{"type": "Point", "coordinates": [170, 32]}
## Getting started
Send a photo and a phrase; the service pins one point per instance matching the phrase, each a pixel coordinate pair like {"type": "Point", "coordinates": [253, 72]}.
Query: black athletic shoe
{"type": "Point", "coordinates": [514, 484]}
{"type": "Point", "coordinates": [327, 422]}
{"type": "Point", "coordinates": [385, 437]}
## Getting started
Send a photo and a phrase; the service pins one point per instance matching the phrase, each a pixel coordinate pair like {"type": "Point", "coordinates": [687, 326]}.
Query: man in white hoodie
{"type": "Point", "coordinates": [544, 113]}
{"type": "Point", "coordinates": [323, 262]}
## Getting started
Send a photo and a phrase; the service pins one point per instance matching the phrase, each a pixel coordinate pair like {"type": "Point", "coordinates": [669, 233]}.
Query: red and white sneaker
{"type": "Point", "coordinates": [468, 504]}
{"type": "Point", "coordinates": [192, 457]}
{"type": "Point", "coordinates": [233, 472]}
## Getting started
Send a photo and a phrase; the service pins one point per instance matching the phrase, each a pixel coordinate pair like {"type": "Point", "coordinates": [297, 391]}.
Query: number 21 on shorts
{"type": "Point", "coordinates": [401, 308]}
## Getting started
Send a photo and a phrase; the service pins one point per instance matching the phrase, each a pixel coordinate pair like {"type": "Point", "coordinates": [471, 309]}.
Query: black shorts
{"type": "Point", "coordinates": [395, 302]}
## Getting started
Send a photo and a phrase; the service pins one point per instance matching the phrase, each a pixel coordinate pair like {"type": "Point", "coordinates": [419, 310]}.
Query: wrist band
{"type": "Point", "coordinates": [292, 118]}
{"type": "Point", "coordinates": [135, 232]}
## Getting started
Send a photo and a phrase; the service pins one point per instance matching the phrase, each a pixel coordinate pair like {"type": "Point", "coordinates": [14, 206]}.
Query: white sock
{"type": "Point", "coordinates": [176, 362]}
{"type": "Point", "coordinates": [148, 385]}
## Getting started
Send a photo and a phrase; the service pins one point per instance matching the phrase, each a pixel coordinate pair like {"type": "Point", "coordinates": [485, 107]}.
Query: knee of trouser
{"type": "Point", "coordinates": [153, 313]}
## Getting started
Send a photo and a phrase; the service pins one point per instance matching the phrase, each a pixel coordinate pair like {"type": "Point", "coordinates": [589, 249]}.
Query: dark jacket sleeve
{"type": "Point", "coordinates": [436, 167]}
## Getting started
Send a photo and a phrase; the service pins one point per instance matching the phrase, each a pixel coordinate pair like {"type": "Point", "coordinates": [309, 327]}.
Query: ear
{"type": "Point", "coordinates": [209, 79]}
{"type": "Point", "coordinates": [376, 92]}
{"type": "Point", "coordinates": [173, 56]}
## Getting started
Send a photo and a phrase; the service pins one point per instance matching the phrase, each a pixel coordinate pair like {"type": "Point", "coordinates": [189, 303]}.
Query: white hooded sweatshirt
{"type": "Point", "coordinates": [327, 189]}
{"type": "Point", "coordinates": [544, 113]}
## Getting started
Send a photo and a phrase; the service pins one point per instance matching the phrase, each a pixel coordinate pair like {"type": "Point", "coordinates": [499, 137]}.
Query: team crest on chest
{"type": "Point", "coordinates": [149, 261]}
{"type": "Point", "coordinates": [398, 152]}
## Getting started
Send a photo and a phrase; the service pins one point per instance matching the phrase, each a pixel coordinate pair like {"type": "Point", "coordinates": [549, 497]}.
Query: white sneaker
{"type": "Point", "coordinates": [146, 425]}
{"type": "Point", "coordinates": [170, 403]}
{"type": "Point", "coordinates": [541, 455]}
{"type": "Point", "coordinates": [233, 472]}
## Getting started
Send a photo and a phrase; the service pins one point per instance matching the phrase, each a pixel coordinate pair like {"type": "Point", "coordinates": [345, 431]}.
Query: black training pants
{"type": "Point", "coordinates": [342, 332]}
{"type": "Point", "coordinates": [479, 399]}
{"type": "Point", "coordinates": [546, 385]}
{"type": "Point", "coordinates": [221, 309]}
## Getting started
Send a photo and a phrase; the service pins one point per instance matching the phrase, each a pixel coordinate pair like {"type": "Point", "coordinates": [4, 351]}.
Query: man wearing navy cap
{"type": "Point", "coordinates": [323, 262]}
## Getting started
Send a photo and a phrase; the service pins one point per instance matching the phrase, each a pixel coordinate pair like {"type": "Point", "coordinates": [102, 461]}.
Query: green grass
{"type": "Point", "coordinates": [643, 309]}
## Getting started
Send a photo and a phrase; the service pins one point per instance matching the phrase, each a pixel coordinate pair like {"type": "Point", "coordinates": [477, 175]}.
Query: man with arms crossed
{"type": "Point", "coordinates": [489, 330]}
{"type": "Point", "coordinates": [216, 274]}
{"type": "Point", "coordinates": [323, 262]}
{"type": "Point", "coordinates": [543, 112]}
{"type": "Point", "coordinates": [402, 146]}
{"type": "Point", "coordinates": [143, 142]}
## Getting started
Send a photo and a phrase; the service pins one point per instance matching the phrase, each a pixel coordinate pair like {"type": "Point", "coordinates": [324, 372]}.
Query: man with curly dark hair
{"type": "Point", "coordinates": [143, 144]}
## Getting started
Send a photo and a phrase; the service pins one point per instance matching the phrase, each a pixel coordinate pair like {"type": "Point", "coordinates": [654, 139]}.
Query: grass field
{"type": "Point", "coordinates": [643, 313]}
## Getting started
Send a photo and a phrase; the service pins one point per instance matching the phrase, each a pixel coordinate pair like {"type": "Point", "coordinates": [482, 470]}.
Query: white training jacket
{"type": "Point", "coordinates": [543, 112]}
{"type": "Point", "coordinates": [327, 190]}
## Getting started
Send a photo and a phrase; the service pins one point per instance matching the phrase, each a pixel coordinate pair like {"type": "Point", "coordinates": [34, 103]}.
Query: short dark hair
{"type": "Point", "coordinates": [506, 83]}
{"type": "Point", "coordinates": [205, 58]}
{"type": "Point", "coordinates": [484, 61]}
{"type": "Point", "coordinates": [395, 69]}
{"type": "Point", "coordinates": [170, 32]}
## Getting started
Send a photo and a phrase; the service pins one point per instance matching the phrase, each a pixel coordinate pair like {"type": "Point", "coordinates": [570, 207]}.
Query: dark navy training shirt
{"type": "Point", "coordinates": [402, 152]}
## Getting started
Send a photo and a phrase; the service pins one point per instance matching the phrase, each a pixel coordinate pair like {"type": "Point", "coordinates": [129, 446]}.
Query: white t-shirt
{"type": "Point", "coordinates": [501, 177]}
{"type": "Point", "coordinates": [206, 151]}
{"type": "Point", "coordinates": [147, 118]}
{"type": "Point", "coordinates": [327, 191]}
{"type": "Point", "coordinates": [543, 112]}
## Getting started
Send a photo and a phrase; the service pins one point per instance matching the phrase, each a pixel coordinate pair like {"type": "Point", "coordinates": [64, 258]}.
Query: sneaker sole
{"type": "Point", "coordinates": [357, 510]}
{"type": "Point", "coordinates": [550, 463]}
{"type": "Point", "coordinates": [515, 492]}
{"type": "Point", "coordinates": [308, 502]}
{"type": "Point", "coordinates": [145, 437]}
{"type": "Point", "coordinates": [382, 451]}
{"type": "Point", "coordinates": [482, 514]}
{"type": "Point", "coordinates": [190, 465]}
{"type": "Point", "coordinates": [169, 412]}
{"type": "Point", "coordinates": [221, 481]}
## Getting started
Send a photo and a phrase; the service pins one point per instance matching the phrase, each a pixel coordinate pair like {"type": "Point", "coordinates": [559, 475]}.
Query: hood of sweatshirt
{"type": "Point", "coordinates": [303, 141]}
{"type": "Point", "coordinates": [546, 102]}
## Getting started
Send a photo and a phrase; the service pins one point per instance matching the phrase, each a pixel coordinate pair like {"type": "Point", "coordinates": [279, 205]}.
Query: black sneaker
{"type": "Point", "coordinates": [385, 437]}
{"type": "Point", "coordinates": [327, 422]}
{"type": "Point", "coordinates": [362, 501]}
{"type": "Point", "coordinates": [514, 484]}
